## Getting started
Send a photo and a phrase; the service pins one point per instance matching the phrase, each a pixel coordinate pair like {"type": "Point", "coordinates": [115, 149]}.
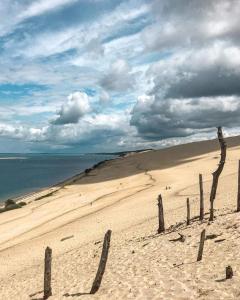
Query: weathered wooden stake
{"type": "Point", "coordinates": [47, 273]}
{"type": "Point", "coordinates": [201, 214]}
{"type": "Point", "coordinates": [238, 196]}
{"type": "Point", "coordinates": [102, 264]}
{"type": "Point", "coordinates": [217, 173]}
{"type": "Point", "coordinates": [188, 212]}
{"type": "Point", "coordinates": [161, 226]}
{"type": "Point", "coordinates": [229, 272]}
{"type": "Point", "coordinates": [201, 245]}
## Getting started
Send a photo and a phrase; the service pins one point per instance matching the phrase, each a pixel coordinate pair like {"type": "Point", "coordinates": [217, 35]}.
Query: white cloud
{"type": "Point", "coordinates": [119, 77]}
{"type": "Point", "coordinates": [42, 6]}
{"type": "Point", "coordinates": [22, 132]}
{"type": "Point", "coordinates": [104, 97]}
{"type": "Point", "coordinates": [13, 13]}
{"type": "Point", "coordinates": [48, 43]}
{"type": "Point", "coordinates": [74, 109]}
{"type": "Point", "coordinates": [82, 36]}
{"type": "Point", "coordinates": [101, 131]}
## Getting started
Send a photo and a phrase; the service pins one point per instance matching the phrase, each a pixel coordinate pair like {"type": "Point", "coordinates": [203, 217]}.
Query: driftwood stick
{"type": "Point", "coordinates": [238, 196]}
{"type": "Point", "coordinates": [201, 245]}
{"type": "Point", "coordinates": [102, 264]}
{"type": "Point", "coordinates": [229, 272]}
{"type": "Point", "coordinates": [47, 273]}
{"type": "Point", "coordinates": [217, 173]}
{"type": "Point", "coordinates": [161, 226]}
{"type": "Point", "coordinates": [188, 212]}
{"type": "Point", "coordinates": [201, 214]}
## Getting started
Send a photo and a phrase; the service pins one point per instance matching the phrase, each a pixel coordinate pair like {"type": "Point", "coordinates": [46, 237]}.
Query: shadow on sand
{"type": "Point", "coordinates": [151, 160]}
{"type": "Point", "coordinates": [75, 295]}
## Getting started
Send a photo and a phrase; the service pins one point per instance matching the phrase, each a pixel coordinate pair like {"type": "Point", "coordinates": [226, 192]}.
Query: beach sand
{"type": "Point", "coordinates": [121, 195]}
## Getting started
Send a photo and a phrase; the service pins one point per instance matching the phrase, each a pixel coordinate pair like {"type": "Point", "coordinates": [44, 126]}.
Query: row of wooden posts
{"type": "Point", "coordinates": [216, 174]}
{"type": "Point", "coordinates": [161, 226]}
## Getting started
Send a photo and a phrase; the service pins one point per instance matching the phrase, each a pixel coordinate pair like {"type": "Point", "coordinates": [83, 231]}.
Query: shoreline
{"type": "Point", "coordinates": [46, 191]}
{"type": "Point", "coordinates": [59, 185]}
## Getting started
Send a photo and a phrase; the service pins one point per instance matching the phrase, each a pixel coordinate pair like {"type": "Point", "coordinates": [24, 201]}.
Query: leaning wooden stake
{"type": "Point", "coordinates": [102, 264]}
{"type": "Point", "coordinates": [47, 273]}
{"type": "Point", "coordinates": [201, 214]}
{"type": "Point", "coordinates": [229, 272]}
{"type": "Point", "coordinates": [217, 173]}
{"type": "Point", "coordinates": [188, 212]}
{"type": "Point", "coordinates": [238, 196]}
{"type": "Point", "coordinates": [201, 245]}
{"type": "Point", "coordinates": [161, 226]}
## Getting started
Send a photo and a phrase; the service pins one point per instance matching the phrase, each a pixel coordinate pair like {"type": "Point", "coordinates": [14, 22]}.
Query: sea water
{"type": "Point", "coordinates": [21, 174]}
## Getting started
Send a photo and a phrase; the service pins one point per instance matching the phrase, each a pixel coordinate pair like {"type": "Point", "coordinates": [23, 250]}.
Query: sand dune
{"type": "Point", "coordinates": [122, 195]}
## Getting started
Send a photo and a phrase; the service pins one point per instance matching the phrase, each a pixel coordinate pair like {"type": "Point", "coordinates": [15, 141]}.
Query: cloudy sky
{"type": "Point", "coordinates": [107, 75]}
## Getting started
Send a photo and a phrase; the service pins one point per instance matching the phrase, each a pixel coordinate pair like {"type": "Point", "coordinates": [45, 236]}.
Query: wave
{"type": "Point", "coordinates": [3, 158]}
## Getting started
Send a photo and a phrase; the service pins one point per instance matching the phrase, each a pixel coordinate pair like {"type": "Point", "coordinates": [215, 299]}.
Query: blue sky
{"type": "Point", "coordinates": [111, 75]}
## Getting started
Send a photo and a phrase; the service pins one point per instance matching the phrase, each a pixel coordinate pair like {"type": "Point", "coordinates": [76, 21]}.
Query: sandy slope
{"type": "Point", "coordinates": [121, 195]}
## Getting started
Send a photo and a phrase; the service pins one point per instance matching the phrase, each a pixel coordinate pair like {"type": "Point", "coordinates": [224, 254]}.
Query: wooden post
{"type": "Point", "coordinates": [201, 214]}
{"type": "Point", "coordinates": [229, 272]}
{"type": "Point", "coordinates": [161, 226]}
{"type": "Point", "coordinates": [188, 212]}
{"type": "Point", "coordinates": [102, 264]}
{"type": "Point", "coordinates": [217, 173]}
{"type": "Point", "coordinates": [201, 245]}
{"type": "Point", "coordinates": [47, 273]}
{"type": "Point", "coordinates": [238, 196]}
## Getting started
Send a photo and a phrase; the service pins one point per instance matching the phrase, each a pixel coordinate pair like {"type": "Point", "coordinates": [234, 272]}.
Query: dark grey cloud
{"type": "Point", "coordinates": [160, 119]}
{"type": "Point", "coordinates": [201, 73]}
{"type": "Point", "coordinates": [192, 23]}
{"type": "Point", "coordinates": [206, 83]}
{"type": "Point", "coordinates": [196, 88]}
{"type": "Point", "coordinates": [185, 8]}
{"type": "Point", "coordinates": [191, 92]}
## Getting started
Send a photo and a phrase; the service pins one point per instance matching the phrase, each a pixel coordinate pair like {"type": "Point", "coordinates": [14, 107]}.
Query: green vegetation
{"type": "Point", "coordinates": [10, 205]}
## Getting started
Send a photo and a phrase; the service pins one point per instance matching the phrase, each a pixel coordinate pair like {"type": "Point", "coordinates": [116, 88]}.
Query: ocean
{"type": "Point", "coordinates": [21, 174]}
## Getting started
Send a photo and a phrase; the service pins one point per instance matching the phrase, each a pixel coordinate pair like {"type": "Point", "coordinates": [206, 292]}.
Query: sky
{"type": "Point", "coordinates": [114, 75]}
